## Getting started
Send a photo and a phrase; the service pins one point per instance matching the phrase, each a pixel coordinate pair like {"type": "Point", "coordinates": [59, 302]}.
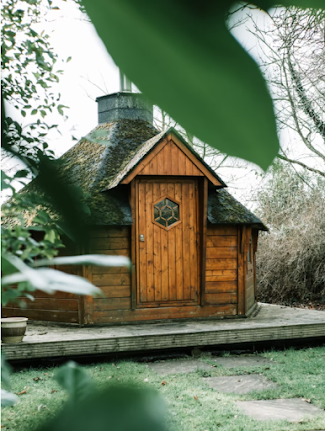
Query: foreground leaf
{"type": "Point", "coordinates": [76, 381]}
{"type": "Point", "coordinates": [48, 280]}
{"type": "Point", "coordinates": [8, 398]}
{"type": "Point", "coordinates": [115, 408]}
{"type": "Point", "coordinates": [86, 259]}
{"type": "Point", "coordinates": [184, 59]}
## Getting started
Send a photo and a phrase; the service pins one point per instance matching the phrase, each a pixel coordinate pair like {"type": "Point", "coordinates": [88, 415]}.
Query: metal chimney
{"type": "Point", "coordinates": [123, 106]}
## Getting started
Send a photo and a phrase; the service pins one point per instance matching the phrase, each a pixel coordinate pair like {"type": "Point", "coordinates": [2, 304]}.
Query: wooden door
{"type": "Point", "coordinates": [167, 242]}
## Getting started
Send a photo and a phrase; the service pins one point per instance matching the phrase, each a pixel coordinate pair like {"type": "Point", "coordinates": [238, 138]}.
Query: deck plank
{"type": "Point", "coordinates": [271, 323]}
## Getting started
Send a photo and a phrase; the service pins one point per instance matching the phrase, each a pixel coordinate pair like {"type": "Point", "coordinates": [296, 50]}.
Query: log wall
{"type": "Point", "coordinates": [226, 284]}
{"type": "Point", "coordinates": [221, 281]}
{"type": "Point", "coordinates": [60, 307]}
{"type": "Point", "coordinates": [220, 296]}
{"type": "Point", "coordinates": [114, 282]}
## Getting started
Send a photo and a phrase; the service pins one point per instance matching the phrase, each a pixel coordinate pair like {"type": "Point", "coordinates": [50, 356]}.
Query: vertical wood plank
{"type": "Point", "coordinates": [186, 241]}
{"type": "Point", "coordinates": [188, 167]}
{"type": "Point", "coordinates": [133, 203]}
{"type": "Point", "coordinates": [174, 152]}
{"type": "Point", "coordinates": [254, 261]}
{"type": "Point", "coordinates": [146, 169]}
{"type": "Point", "coordinates": [204, 212]}
{"type": "Point", "coordinates": [164, 254]}
{"type": "Point", "coordinates": [196, 171]}
{"type": "Point", "coordinates": [153, 166]}
{"type": "Point", "coordinates": [88, 300]}
{"type": "Point", "coordinates": [181, 163]}
{"type": "Point", "coordinates": [157, 247]}
{"type": "Point", "coordinates": [159, 163]}
{"type": "Point", "coordinates": [149, 241]}
{"type": "Point", "coordinates": [167, 161]}
{"type": "Point", "coordinates": [241, 273]}
{"type": "Point", "coordinates": [192, 223]}
{"type": "Point", "coordinates": [179, 246]}
{"type": "Point", "coordinates": [142, 245]}
{"type": "Point", "coordinates": [172, 251]}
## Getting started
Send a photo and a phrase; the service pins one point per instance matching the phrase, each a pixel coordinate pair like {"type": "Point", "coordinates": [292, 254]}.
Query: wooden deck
{"type": "Point", "coordinates": [270, 323]}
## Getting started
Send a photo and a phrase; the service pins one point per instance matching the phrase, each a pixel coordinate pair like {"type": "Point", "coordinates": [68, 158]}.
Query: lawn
{"type": "Point", "coordinates": [191, 403]}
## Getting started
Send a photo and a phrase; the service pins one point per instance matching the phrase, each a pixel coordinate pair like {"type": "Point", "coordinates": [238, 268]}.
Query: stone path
{"type": "Point", "coordinates": [177, 367]}
{"type": "Point", "coordinates": [242, 361]}
{"type": "Point", "coordinates": [291, 409]}
{"type": "Point", "coordinates": [240, 384]}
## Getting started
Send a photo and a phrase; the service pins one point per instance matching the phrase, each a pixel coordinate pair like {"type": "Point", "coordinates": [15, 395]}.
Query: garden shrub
{"type": "Point", "coordinates": [291, 257]}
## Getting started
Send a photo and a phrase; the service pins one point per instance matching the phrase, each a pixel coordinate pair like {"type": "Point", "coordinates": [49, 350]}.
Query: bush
{"type": "Point", "coordinates": [291, 257]}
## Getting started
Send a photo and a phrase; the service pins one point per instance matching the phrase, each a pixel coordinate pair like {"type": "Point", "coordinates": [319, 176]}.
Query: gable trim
{"type": "Point", "coordinates": [170, 137]}
{"type": "Point", "coordinates": [194, 160]}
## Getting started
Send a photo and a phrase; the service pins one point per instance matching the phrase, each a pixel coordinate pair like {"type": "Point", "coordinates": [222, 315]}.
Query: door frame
{"type": "Point", "coordinates": [201, 197]}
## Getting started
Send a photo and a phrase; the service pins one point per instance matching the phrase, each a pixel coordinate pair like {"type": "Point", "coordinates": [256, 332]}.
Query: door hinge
{"type": "Point", "coordinates": [197, 241]}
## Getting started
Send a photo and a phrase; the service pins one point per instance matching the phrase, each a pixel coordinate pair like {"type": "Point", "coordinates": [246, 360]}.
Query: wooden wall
{"type": "Point", "coordinates": [114, 282]}
{"type": "Point", "coordinates": [220, 296]}
{"type": "Point", "coordinates": [229, 285]}
{"type": "Point", "coordinates": [221, 281]}
{"type": "Point", "coordinates": [171, 161]}
{"type": "Point", "coordinates": [60, 307]}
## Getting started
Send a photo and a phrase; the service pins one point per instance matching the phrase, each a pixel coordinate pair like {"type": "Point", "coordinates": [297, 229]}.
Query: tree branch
{"type": "Point", "coordinates": [315, 171]}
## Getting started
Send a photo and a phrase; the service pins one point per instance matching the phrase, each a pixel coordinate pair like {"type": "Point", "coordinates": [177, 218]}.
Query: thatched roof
{"type": "Point", "coordinates": [98, 163]}
{"type": "Point", "coordinates": [225, 209]}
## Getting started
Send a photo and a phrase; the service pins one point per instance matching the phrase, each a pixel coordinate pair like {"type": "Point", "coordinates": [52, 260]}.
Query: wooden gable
{"type": "Point", "coordinates": [171, 157]}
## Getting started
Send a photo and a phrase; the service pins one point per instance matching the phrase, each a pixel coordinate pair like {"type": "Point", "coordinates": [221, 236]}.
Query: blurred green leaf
{"type": "Point", "coordinates": [86, 259]}
{"type": "Point", "coordinates": [46, 279]}
{"type": "Point", "coordinates": [182, 57]}
{"type": "Point", "coordinates": [5, 372]}
{"type": "Point", "coordinates": [51, 236]}
{"type": "Point", "coordinates": [76, 381]}
{"type": "Point", "coordinates": [304, 4]}
{"type": "Point", "coordinates": [117, 408]}
{"type": "Point", "coordinates": [21, 174]}
{"type": "Point", "coordinates": [8, 398]}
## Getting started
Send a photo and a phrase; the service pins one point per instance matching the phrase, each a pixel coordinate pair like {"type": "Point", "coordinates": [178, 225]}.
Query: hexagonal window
{"type": "Point", "coordinates": [166, 212]}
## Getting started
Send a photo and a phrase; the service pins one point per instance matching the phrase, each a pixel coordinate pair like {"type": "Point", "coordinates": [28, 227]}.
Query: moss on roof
{"type": "Point", "coordinates": [225, 209]}
{"type": "Point", "coordinates": [98, 163]}
{"type": "Point", "coordinates": [93, 165]}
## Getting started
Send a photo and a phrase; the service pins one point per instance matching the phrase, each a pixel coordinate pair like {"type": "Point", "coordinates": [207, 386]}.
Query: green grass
{"type": "Point", "coordinates": [191, 404]}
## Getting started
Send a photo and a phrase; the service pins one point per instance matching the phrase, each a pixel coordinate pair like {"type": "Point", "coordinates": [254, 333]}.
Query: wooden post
{"type": "Point", "coordinates": [88, 308]}
{"type": "Point", "coordinates": [204, 212]}
{"type": "Point", "coordinates": [241, 274]}
{"type": "Point", "coordinates": [133, 205]}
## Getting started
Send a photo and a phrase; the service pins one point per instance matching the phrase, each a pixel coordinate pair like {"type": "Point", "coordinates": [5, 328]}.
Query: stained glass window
{"type": "Point", "coordinates": [166, 212]}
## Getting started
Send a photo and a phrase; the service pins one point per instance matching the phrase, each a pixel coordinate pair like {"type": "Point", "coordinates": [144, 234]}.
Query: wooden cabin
{"type": "Point", "coordinates": [155, 200]}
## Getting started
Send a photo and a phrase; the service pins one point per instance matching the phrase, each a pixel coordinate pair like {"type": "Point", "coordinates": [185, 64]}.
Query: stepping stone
{"type": "Point", "coordinates": [240, 384]}
{"type": "Point", "coordinates": [164, 368]}
{"type": "Point", "coordinates": [242, 361]}
{"type": "Point", "coordinates": [292, 409]}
